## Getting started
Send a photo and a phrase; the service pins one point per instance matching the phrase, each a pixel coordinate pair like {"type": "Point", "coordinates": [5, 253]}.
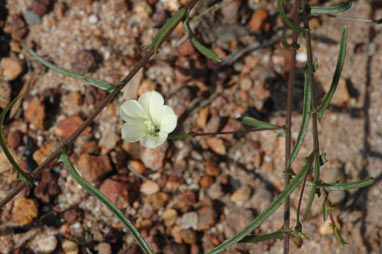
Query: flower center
{"type": "Point", "coordinates": [151, 129]}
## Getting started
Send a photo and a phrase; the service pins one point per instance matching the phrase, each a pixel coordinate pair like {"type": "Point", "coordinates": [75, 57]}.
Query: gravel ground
{"type": "Point", "coordinates": [186, 196]}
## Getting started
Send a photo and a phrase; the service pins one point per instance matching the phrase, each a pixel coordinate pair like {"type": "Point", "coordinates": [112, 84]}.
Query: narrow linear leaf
{"type": "Point", "coordinates": [23, 176]}
{"type": "Point", "coordinates": [260, 238]}
{"type": "Point", "coordinates": [337, 74]}
{"type": "Point", "coordinates": [165, 29]}
{"type": "Point", "coordinates": [276, 203]}
{"type": "Point", "coordinates": [326, 210]}
{"type": "Point", "coordinates": [289, 23]}
{"type": "Point", "coordinates": [316, 10]}
{"type": "Point", "coordinates": [337, 234]}
{"type": "Point", "coordinates": [178, 136]}
{"type": "Point", "coordinates": [347, 186]}
{"type": "Point", "coordinates": [305, 119]}
{"type": "Point", "coordinates": [250, 121]}
{"type": "Point", "coordinates": [68, 73]}
{"type": "Point", "coordinates": [200, 47]}
{"type": "Point", "coordinates": [113, 208]}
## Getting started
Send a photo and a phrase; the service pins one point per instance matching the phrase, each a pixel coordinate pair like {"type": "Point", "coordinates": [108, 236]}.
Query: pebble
{"type": "Point", "coordinates": [69, 125]}
{"type": "Point", "coordinates": [207, 217]}
{"type": "Point", "coordinates": [146, 86]}
{"type": "Point", "coordinates": [257, 23]}
{"type": "Point", "coordinates": [8, 176]}
{"type": "Point", "coordinates": [158, 200]}
{"type": "Point", "coordinates": [186, 48]}
{"type": "Point", "coordinates": [237, 220]}
{"type": "Point", "coordinates": [301, 57]}
{"type": "Point", "coordinates": [230, 11]}
{"type": "Point", "coordinates": [215, 191]}
{"type": "Point", "coordinates": [188, 236]}
{"type": "Point", "coordinates": [242, 194]}
{"type": "Point", "coordinates": [92, 167]}
{"type": "Point", "coordinates": [24, 211]}
{"type": "Point", "coordinates": [40, 7]}
{"type": "Point", "coordinates": [114, 190]}
{"type": "Point", "coordinates": [189, 220]}
{"type": "Point", "coordinates": [213, 124]}
{"type": "Point", "coordinates": [169, 216]}
{"type": "Point", "coordinates": [16, 26]}
{"type": "Point", "coordinates": [142, 9]}
{"type": "Point", "coordinates": [84, 61]}
{"type": "Point", "coordinates": [104, 248]}
{"type": "Point", "coordinates": [201, 120]}
{"type": "Point", "coordinates": [185, 200]}
{"type": "Point", "coordinates": [5, 93]}
{"type": "Point", "coordinates": [14, 139]}
{"type": "Point", "coordinates": [48, 186]}
{"type": "Point", "coordinates": [149, 188]}
{"type": "Point", "coordinates": [69, 247]}
{"type": "Point", "coordinates": [34, 112]}
{"type": "Point", "coordinates": [175, 248]}
{"type": "Point", "coordinates": [32, 18]}
{"type": "Point", "coordinates": [40, 155]}
{"type": "Point", "coordinates": [43, 243]}
{"type": "Point", "coordinates": [93, 19]}
{"type": "Point", "coordinates": [109, 140]}
{"type": "Point", "coordinates": [212, 168]}
{"type": "Point", "coordinates": [154, 158]}
{"type": "Point", "coordinates": [11, 67]}
{"type": "Point", "coordinates": [137, 166]}
{"type": "Point", "coordinates": [217, 145]}
{"type": "Point", "coordinates": [206, 182]}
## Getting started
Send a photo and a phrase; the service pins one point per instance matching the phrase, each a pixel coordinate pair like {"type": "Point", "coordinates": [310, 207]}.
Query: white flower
{"type": "Point", "coordinates": [147, 120]}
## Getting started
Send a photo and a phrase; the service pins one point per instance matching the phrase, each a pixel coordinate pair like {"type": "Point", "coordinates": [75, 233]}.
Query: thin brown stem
{"type": "Point", "coordinates": [37, 172]}
{"type": "Point", "coordinates": [195, 134]}
{"type": "Point", "coordinates": [288, 122]}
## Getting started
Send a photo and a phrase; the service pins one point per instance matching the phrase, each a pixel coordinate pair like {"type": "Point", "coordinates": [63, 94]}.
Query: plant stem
{"type": "Point", "coordinates": [313, 88]}
{"type": "Point", "coordinates": [288, 122]}
{"type": "Point", "coordinates": [37, 172]}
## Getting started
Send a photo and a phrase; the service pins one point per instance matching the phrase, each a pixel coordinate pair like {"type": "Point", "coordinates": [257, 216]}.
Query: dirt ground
{"type": "Point", "coordinates": [186, 196]}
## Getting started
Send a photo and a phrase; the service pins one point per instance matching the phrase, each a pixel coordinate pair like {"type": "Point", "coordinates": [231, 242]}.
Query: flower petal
{"type": "Point", "coordinates": [133, 110]}
{"type": "Point", "coordinates": [153, 142]}
{"type": "Point", "coordinates": [133, 132]}
{"type": "Point", "coordinates": [151, 103]}
{"type": "Point", "coordinates": [167, 120]}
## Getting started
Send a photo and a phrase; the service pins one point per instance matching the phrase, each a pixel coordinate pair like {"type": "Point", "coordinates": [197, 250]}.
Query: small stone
{"type": "Point", "coordinates": [186, 48]}
{"type": "Point", "coordinates": [237, 220]}
{"type": "Point", "coordinates": [70, 247]}
{"type": "Point", "coordinates": [8, 176]}
{"type": "Point", "coordinates": [146, 86]}
{"type": "Point", "coordinates": [215, 191]}
{"type": "Point", "coordinates": [231, 125]}
{"type": "Point", "coordinates": [201, 121]}
{"type": "Point", "coordinates": [137, 166]}
{"type": "Point", "coordinates": [188, 236]}
{"type": "Point", "coordinates": [341, 97]}
{"type": "Point", "coordinates": [14, 139]}
{"type": "Point", "coordinates": [301, 57]}
{"type": "Point", "coordinates": [114, 190]}
{"type": "Point", "coordinates": [92, 167]}
{"type": "Point", "coordinates": [72, 102]}
{"type": "Point", "coordinates": [93, 19]}
{"type": "Point", "coordinates": [34, 112]}
{"type": "Point", "coordinates": [32, 18]}
{"type": "Point", "coordinates": [217, 145]}
{"type": "Point", "coordinates": [5, 93]}
{"type": "Point", "coordinates": [24, 211]}
{"type": "Point", "coordinates": [154, 158]}
{"type": "Point", "coordinates": [69, 125]}
{"type": "Point", "coordinates": [158, 200]}
{"type": "Point", "coordinates": [84, 61]}
{"type": "Point", "coordinates": [175, 248]}
{"type": "Point", "coordinates": [169, 216]}
{"type": "Point", "coordinates": [142, 9]}
{"type": "Point", "coordinates": [16, 27]}
{"type": "Point", "coordinates": [73, 215]}
{"type": "Point", "coordinates": [325, 228]}
{"type": "Point", "coordinates": [40, 7]}
{"type": "Point", "coordinates": [185, 200]}
{"type": "Point", "coordinates": [43, 243]}
{"type": "Point", "coordinates": [258, 20]}
{"type": "Point", "coordinates": [149, 188]}
{"type": "Point", "coordinates": [212, 168]}
{"type": "Point", "coordinates": [109, 140]}
{"type": "Point", "coordinates": [189, 220]}
{"type": "Point", "coordinates": [40, 155]}
{"type": "Point", "coordinates": [242, 194]}
{"type": "Point", "coordinates": [48, 186]}
{"type": "Point", "coordinates": [213, 124]}
{"type": "Point", "coordinates": [104, 248]}
{"type": "Point", "coordinates": [314, 23]}
{"type": "Point", "coordinates": [206, 182]}
{"type": "Point", "coordinates": [132, 149]}
{"type": "Point", "coordinates": [11, 67]}
{"type": "Point", "coordinates": [230, 11]}
{"type": "Point", "coordinates": [207, 217]}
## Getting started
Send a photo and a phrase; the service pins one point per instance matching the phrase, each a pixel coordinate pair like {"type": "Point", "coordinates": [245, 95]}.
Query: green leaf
{"type": "Point", "coordinates": [305, 118]}
{"type": "Point", "coordinates": [275, 235]}
{"type": "Point", "coordinates": [289, 23]}
{"type": "Point", "coordinates": [23, 176]}
{"type": "Point", "coordinates": [166, 28]}
{"type": "Point", "coordinates": [263, 125]}
{"type": "Point", "coordinates": [326, 209]}
{"type": "Point", "coordinates": [200, 47]}
{"type": "Point", "coordinates": [178, 136]}
{"type": "Point", "coordinates": [96, 193]}
{"type": "Point", "coordinates": [337, 234]}
{"type": "Point", "coordinates": [316, 10]}
{"type": "Point", "coordinates": [276, 203]}
{"type": "Point", "coordinates": [68, 73]}
{"type": "Point", "coordinates": [337, 74]}
{"type": "Point", "coordinates": [349, 185]}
